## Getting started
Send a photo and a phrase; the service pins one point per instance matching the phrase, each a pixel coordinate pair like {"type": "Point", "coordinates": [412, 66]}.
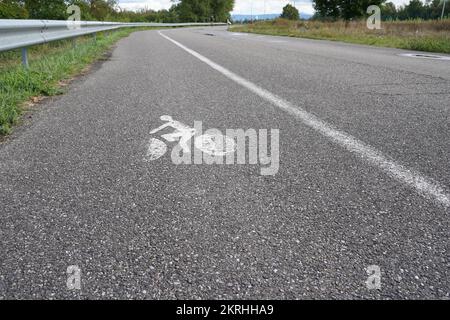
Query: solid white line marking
{"type": "Point", "coordinates": [424, 186]}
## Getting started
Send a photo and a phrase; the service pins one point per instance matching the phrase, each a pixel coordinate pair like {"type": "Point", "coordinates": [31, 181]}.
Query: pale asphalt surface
{"type": "Point", "coordinates": [76, 191]}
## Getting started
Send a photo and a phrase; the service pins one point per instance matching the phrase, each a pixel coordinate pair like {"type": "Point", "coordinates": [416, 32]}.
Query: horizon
{"type": "Point", "coordinates": [242, 7]}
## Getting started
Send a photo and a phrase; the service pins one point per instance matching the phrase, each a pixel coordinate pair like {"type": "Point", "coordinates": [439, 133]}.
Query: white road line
{"type": "Point", "coordinates": [423, 185]}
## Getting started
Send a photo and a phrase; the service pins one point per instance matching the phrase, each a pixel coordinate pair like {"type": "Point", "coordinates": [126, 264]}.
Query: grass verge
{"type": "Point", "coordinates": [50, 66]}
{"type": "Point", "coordinates": [431, 36]}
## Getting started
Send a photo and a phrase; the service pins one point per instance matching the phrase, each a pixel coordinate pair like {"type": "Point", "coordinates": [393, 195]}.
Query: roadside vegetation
{"type": "Point", "coordinates": [109, 10]}
{"type": "Point", "coordinates": [418, 25]}
{"type": "Point", "coordinates": [51, 66]}
{"type": "Point", "coordinates": [422, 35]}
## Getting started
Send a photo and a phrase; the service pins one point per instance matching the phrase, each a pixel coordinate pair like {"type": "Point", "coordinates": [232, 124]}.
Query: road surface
{"type": "Point", "coordinates": [363, 175]}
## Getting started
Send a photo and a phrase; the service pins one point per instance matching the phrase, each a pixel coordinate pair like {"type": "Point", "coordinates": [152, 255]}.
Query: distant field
{"type": "Point", "coordinates": [431, 36]}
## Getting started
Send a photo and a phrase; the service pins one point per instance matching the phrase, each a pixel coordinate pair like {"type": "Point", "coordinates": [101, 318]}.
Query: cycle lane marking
{"type": "Point", "coordinates": [423, 185]}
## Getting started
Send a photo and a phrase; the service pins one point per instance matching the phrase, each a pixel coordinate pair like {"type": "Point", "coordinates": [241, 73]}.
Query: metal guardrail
{"type": "Point", "coordinates": [15, 34]}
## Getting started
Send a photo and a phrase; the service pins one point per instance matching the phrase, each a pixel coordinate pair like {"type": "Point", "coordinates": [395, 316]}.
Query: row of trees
{"type": "Point", "coordinates": [210, 10]}
{"type": "Point", "coordinates": [181, 10]}
{"type": "Point", "coordinates": [56, 9]}
{"type": "Point", "coordinates": [354, 9]}
{"type": "Point", "coordinates": [430, 9]}
{"type": "Point", "coordinates": [343, 9]}
{"type": "Point", "coordinates": [204, 10]}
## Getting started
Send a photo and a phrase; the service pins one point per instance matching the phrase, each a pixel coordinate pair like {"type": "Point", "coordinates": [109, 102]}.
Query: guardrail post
{"type": "Point", "coordinates": [94, 35]}
{"type": "Point", "coordinates": [25, 57]}
{"type": "Point", "coordinates": [74, 43]}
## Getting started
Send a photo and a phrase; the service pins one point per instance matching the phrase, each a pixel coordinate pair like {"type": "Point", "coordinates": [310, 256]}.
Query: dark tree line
{"type": "Point", "coordinates": [56, 9]}
{"type": "Point", "coordinates": [181, 10]}
{"type": "Point", "coordinates": [203, 10]}
{"type": "Point", "coordinates": [343, 9]}
{"type": "Point", "coordinates": [355, 9]}
{"type": "Point", "coordinates": [430, 9]}
{"type": "Point", "coordinates": [210, 10]}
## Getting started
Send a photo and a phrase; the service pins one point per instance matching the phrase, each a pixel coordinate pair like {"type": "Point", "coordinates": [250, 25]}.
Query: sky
{"type": "Point", "coordinates": [240, 7]}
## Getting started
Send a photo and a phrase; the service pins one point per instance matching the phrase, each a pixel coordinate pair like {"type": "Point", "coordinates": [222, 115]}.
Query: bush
{"type": "Point", "coordinates": [12, 10]}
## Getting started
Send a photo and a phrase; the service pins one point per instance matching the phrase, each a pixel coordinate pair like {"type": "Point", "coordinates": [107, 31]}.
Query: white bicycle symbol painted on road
{"type": "Point", "coordinates": [216, 145]}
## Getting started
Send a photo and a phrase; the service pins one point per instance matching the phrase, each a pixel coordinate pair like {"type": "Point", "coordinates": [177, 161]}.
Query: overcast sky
{"type": "Point", "coordinates": [240, 7]}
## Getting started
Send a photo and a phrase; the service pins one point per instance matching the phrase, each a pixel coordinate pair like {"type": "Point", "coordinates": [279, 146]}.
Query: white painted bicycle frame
{"type": "Point", "coordinates": [184, 133]}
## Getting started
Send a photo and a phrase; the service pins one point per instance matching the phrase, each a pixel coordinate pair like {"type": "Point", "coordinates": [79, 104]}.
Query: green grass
{"type": "Point", "coordinates": [50, 65]}
{"type": "Point", "coordinates": [431, 36]}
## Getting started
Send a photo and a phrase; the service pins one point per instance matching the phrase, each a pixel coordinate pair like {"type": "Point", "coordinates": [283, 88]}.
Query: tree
{"type": "Point", "coordinates": [434, 9]}
{"type": "Point", "coordinates": [203, 10]}
{"type": "Point", "coordinates": [193, 10]}
{"type": "Point", "coordinates": [46, 9]}
{"type": "Point", "coordinates": [327, 8]}
{"type": "Point", "coordinates": [354, 9]}
{"type": "Point", "coordinates": [85, 9]}
{"type": "Point", "coordinates": [220, 9]}
{"type": "Point", "coordinates": [290, 12]}
{"type": "Point", "coordinates": [181, 10]}
{"type": "Point", "coordinates": [13, 9]}
{"type": "Point", "coordinates": [415, 9]}
{"type": "Point", "coordinates": [344, 9]}
{"type": "Point", "coordinates": [389, 11]}
{"type": "Point", "coordinates": [102, 9]}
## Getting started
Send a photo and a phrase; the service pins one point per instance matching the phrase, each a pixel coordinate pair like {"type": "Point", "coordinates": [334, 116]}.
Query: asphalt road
{"type": "Point", "coordinates": [76, 188]}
